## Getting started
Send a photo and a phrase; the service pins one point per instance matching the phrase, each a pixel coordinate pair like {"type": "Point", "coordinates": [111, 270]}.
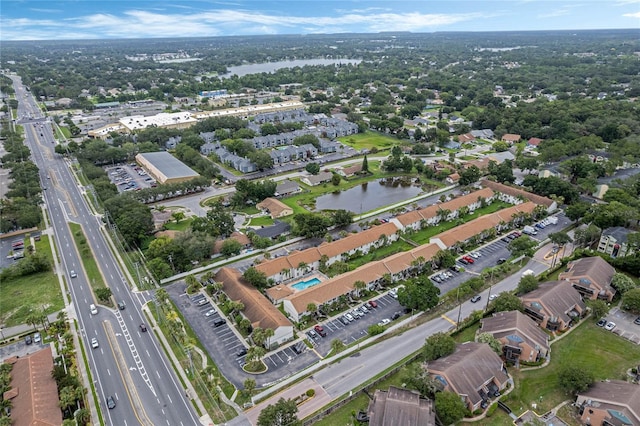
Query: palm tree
{"type": "Point", "coordinates": [303, 266]}
{"type": "Point", "coordinates": [236, 306]}
{"type": "Point", "coordinates": [258, 336]}
{"type": "Point", "coordinates": [463, 211]}
{"type": "Point", "coordinates": [337, 346]}
{"type": "Point", "coordinates": [269, 333]}
{"type": "Point", "coordinates": [312, 308]}
{"type": "Point", "coordinates": [359, 285]}
{"type": "Point", "coordinates": [253, 357]}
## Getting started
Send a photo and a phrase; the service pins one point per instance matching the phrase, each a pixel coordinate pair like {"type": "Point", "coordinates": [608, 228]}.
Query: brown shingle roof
{"type": "Point", "coordinates": [275, 207]}
{"type": "Point", "coordinates": [503, 324]}
{"type": "Point", "coordinates": [469, 368]}
{"type": "Point", "coordinates": [556, 298]}
{"type": "Point", "coordinates": [274, 266]}
{"type": "Point", "coordinates": [616, 393]}
{"type": "Point", "coordinates": [400, 407]}
{"type": "Point", "coordinates": [353, 241]}
{"type": "Point", "coordinates": [590, 270]}
{"type": "Point", "coordinates": [36, 399]}
{"type": "Point", "coordinates": [238, 236]}
{"type": "Point", "coordinates": [483, 223]}
{"type": "Point", "coordinates": [516, 192]}
{"type": "Point", "coordinates": [510, 137]}
{"type": "Point", "coordinates": [256, 307]}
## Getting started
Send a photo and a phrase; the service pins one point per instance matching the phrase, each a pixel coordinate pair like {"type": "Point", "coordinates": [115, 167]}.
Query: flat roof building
{"type": "Point", "coordinates": [165, 168]}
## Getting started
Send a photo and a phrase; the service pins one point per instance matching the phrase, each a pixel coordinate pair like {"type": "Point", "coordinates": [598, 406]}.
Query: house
{"type": "Point", "coordinates": [614, 242]}
{"type": "Point", "coordinates": [534, 142]}
{"type": "Point", "coordinates": [591, 276]}
{"type": "Point", "coordinates": [287, 187]}
{"type": "Point", "coordinates": [453, 178]}
{"type": "Point", "coordinates": [466, 138]}
{"type": "Point", "coordinates": [474, 371]}
{"type": "Point", "coordinates": [483, 133]}
{"type": "Point", "coordinates": [514, 195]}
{"type": "Point", "coordinates": [274, 207]}
{"type": "Point", "coordinates": [313, 180]}
{"type": "Point", "coordinates": [554, 305]}
{"type": "Point", "coordinates": [482, 164]}
{"type": "Point", "coordinates": [350, 171]}
{"type": "Point", "coordinates": [510, 138]}
{"type": "Point", "coordinates": [400, 407]}
{"type": "Point", "coordinates": [612, 402]}
{"type": "Point", "coordinates": [521, 338]}
{"type": "Point", "coordinates": [244, 241]}
{"type": "Point", "coordinates": [33, 392]}
{"type": "Point", "coordinates": [274, 231]}
{"type": "Point", "coordinates": [257, 308]}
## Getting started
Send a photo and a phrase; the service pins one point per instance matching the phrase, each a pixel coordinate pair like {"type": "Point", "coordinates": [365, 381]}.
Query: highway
{"type": "Point", "coordinates": [129, 365]}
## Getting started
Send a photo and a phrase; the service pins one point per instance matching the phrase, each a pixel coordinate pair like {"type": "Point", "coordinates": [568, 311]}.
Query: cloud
{"type": "Point", "coordinates": [146, 24]}
{"type": "Point", "coordinates": [632, 15]}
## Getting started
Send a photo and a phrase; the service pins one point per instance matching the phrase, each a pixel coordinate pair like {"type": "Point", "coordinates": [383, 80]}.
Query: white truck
{"type": "Point", "coordinates": [553, 220]}
{"type": "Point", "coordinates": [528, 272]}
{"type": "Point", "coordinates": [530, 230]}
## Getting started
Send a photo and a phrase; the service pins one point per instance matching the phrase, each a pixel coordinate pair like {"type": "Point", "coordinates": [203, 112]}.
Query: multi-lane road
{"type": "Point", "coordinates": [128, 364]}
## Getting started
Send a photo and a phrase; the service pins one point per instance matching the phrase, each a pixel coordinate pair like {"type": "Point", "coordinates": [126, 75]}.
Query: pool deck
{"type": "Point", "coordinates": [280, 291]}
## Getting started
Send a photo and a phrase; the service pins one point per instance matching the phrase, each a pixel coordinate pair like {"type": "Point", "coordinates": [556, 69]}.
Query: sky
{"type": "Point", "coordinates": [119, 19]}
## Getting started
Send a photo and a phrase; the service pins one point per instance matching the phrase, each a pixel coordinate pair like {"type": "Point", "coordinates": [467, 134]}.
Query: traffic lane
{"type": "Point", "coordinates": [358, 328]}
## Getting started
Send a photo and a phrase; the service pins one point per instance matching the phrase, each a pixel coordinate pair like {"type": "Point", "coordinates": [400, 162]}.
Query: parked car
{"type": "Point", "coordinates": [474, 255]}
{"type": "Point", "coordinates": [396, 315]}
{"type": "Point", "coordinates": [349, 317]}
{"type": "Point", "coordinates": [384, 322]}
{"type": "Point", "coordinates": [476, 298]}
{"type": "Point", "coordinates": [364, 308]}
{"type": "Point", "coordinates": [241, 352]}
{"type": "Point", "coordinates": [320, 330]}
{"type": "Point", "coordinates": [637, 321]}
{"type": "Point", "coordinates": [219, 322]}
{"type": "Point", "coordinates": [28, 339]}
{"type": "Point", "coordinates": [501, 261]}
{"type": "Point", "coordinates": [436, 278]}
{"type": "Point", "coordinates": [463, 261]}
{"type": "Point", "coordinates": [610, 326]}
{"type": "Point", "coordinates": [456, 268]}
{"type": "Point", "coordinates": [469, 259]}
{"type": "Point", "coordinates": [312, 334]}
{"type": "Point", "coordinates": [373, 303]}
{"type": "Point", "coordinates": [602, 322]}
{"type": "Point", "coordinates": [37, 338]}
{"type": "Point", "coordinates": [210, 312]}
{"type": "Point", "coordinates": [343, 320]}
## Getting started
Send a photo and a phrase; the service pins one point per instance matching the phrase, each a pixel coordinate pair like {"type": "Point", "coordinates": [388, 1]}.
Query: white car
{"type": "Point", "coordinates": [93, 309]}
{"type": "Point", "coordinates": [349, 317]}
{"type": "Point", "coordinates": [210, 312]}
{"type": "Point", "coordinates": [493, 296]}
{"type": "Point", "coordinates": [474, 255]}
{"type": "Point", "coordinates": [37, 338]}
{"type": "Point", "coordinates": [94, 343]}
{"type": "Point", "coordinates": [384, 322]}
{"type": "Point", "coordinates": [73, 274]}
{"type": "Point", "coordinates": [610, 326]}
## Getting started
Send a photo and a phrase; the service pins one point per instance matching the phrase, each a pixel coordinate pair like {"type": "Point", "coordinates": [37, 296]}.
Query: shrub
{"type": "Point", "coordinates": [492, 409]}
{"type": "Point", "coordinates": [311, 392]}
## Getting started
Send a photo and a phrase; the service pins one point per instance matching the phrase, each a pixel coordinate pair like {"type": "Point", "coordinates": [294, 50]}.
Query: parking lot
{"type": "Point", "coordinates": [130, 177]}
{"type": "Point", "coordinates": [624, 324]}
{"type": "Point", "coordinates": [351, 331]}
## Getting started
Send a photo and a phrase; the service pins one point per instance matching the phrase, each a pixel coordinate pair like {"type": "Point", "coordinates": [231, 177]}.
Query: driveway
{"type": "Point", "coordinates": [624, 324]}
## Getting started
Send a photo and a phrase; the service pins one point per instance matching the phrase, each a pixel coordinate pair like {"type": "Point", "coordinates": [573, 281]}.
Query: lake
{"type": "Point", "coordinates": [368, 196]}
{"type": "Point", "coordinates": [269, 67]}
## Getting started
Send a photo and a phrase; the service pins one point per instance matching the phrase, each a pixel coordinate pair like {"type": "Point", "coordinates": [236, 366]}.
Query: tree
{"type": "Point", "coordinates": [449, 407]}
{"type": "Point", "coordinates": [631, 300]}
{"type": "Point", "coordinates": [491, 341]}
{"type": "Point", "coordinates": [282, 413]}
{"type": "Point", "coordinates": [177, 216]}
{"type": "Point", "coordinates": [311, 225]}
{"type": "Point", "coordinates": [365, 164]}
{"type": "Point", "coordinates": [598, 307]}
{"type": "Point", "coordinates": [335, 179]}
{"type": "Point", "coordinates": [527, 283]}
{"type": "Point", "coordinates": [103, 294]}
{"type": "Point", "coordinates": [342, 218]}
{"type": "Point", "coordinates": [444, 259]}
{"type": "Point", "coordinates": [255, 278]}
{"type": "Point", "coordinates": [230, 247]}
{"type": "Point", "coordinates": [249, 385]}
{"type": "Point", "coordinates": [337, 346]}
{"type": "Point", "coordinates": [574, 378]}
{"type": "Point", "coordinates": [507, 302]}
{"type": "Point", "coordinates": [560, 238]}
{"type": "Point", "coordinates": [313, 168]}
{"type": "Point", "coordinates": [522, 246]}
{"type": "Point", "coordinates": [622, 283]}
{"type": "Point", "coordinates": [577, 211]}
{"type": "Point", "coordinates": [470, 175]}
{"type": "Point", "coordinates": [262, 159]}
{"type": "Point", "coordinates": [438, 345]}
{"type": "Point", "coordinates": [417, 377]}
{"type": "Point", "coordinates": [419, 293]}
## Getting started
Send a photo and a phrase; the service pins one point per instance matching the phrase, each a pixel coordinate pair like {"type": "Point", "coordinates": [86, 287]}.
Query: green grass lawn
{"type": "Point", "coordinates": [37, 291]}
{"type": "Point", "coordinates": [381, 253]}
{"type": "Point", "coordinates": [368, 140]}
{"type": "Point", "coordinates": [181, 226]}
{"type": "Point", "coordinates": [604, 354]}
{"type": "Point", "coordinates": [88, 261]}
{"type": "Point", "coordinates": [260, 221]}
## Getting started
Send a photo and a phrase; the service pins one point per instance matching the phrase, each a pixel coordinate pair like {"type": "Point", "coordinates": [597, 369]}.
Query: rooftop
{"type": "Point", "coordinates": [168, 165]}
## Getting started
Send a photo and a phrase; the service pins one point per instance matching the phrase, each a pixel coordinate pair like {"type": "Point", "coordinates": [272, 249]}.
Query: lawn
{"type": "Point", "coordinates": [88, 261]}
{"type": "Point", "coordinates": [381, 253]}
{"type": "Point", "coordinates": [181, 226]}
{"type": "Point", "coordinates": [260, 221]}
{"type": "Point", "coordinates": [604, 354]}
{"type": "Point", "coordinates": [35, 291]}
{"type": "Point", "coordinates": [368, 140]}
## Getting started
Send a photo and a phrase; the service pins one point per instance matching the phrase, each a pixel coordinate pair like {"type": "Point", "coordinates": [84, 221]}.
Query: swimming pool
{"type": "Point", "coordinates": [301, 285]}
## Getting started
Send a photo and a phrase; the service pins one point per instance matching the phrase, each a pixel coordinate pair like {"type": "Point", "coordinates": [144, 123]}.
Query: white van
{"type": "Point", "coordinates": [93, 309]}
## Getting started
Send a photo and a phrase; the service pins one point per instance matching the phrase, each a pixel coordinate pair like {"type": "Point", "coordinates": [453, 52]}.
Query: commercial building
{"type": "Point", "coordinates": [164, 167]}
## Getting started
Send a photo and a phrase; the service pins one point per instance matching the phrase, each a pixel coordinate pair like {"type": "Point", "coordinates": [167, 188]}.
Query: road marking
{"type": "Point", "coordinates": [449, 319]}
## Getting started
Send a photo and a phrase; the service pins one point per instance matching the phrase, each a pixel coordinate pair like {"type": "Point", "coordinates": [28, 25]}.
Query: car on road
{"type": "Point", "coordinates": [476, 298]}
{"type": "Point", "coordinates": [37, 338]}
{"type": "Point", "coordinates": [637, 321]}
{"type": "Point", "coordinates": [610, 326]}
{"type": "Point", "coordinates": [73, 274]}
{"type": "Point", "coordinates": [143, 328]}
{"type": "Point", "coordinates": [210, 312]}
{"type": "Point", "coordinates": [93, 309]}
{"type": "Point", "coordinates": [28, 339]}
{"type": "Point", "coordinates": [320, 330]}
{"type": "Point", "coordinates": [111, 403]}
{"type": "Point", "coordinates": [602, 322]}
{"type": "Point", "coordinates": [493, 297]}
{"type": "Point", "coordinates": [384, 322]}
{"type": "Point", "coordinates": [121, 306]}
{"type": "Point", "coordinates": [94, 343]}
{"type": "Point", "coordinates": [373, 303]}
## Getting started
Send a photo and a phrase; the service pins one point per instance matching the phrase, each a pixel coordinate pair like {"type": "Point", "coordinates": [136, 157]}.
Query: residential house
{"type": "Point", "coordinates": [591, 276]}
{"type": "Point", "coordinates": [313, 180]}
{"type": "Point", "coordinates": [481, 227]}
{"type": "Point", "coordinates": [209, 148]}
{"type": "Point", "coordinates": [483, 133]}
{"type": "Point", "coordinates": [614, 242]}
{"type": "Point", "coordinates": [609, 403]}
{"type": "Point", "coordinates": [511, 138]}
{"type": "Point", "coordinates": [466, 138]}
{"type": "Point", "coordinates": [554, 305]}
{"type": "Point", "coordinates": [350, 170]}
{"type": "Point", "coordinates": [274, 231]}
{"type": "Point", "coordinates": [257, 308]}
{"type": "Point", "coordinates": [244, 241]}
{"type": "Point", "coordinates": [172, 142]}
{"type": "Point", "coordinates": [274, 207]}
{"type": "Point", "coordinates": [33, 392]}
{"type": "Point", "coordinates": [287, 187]}
{"type": "Point", "coordinates": [453, 178]}
{"type": "Point", "coordinates": [327, 146]}
{"type": "Point", "coordinates": [521, 338]}
{"type": "Point", "coordinates": [474, 371]}
{"type": "Point", "coordinates": [534, 142]}
{"type": "Point", "coordinates": [482, 164]}
{"type": "Point", "coordinates": [514, 195]}
{"type": "Point", "coordinates": [400, 407]}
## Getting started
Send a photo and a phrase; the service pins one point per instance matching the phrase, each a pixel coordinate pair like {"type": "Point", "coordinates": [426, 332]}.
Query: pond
{"type": "Point", "coordinates": [242, 70]}
{"type": "Point", "coordinates": [368, 196]}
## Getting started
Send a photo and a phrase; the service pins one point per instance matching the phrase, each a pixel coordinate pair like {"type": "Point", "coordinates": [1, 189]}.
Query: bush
{"type": "Point", "coordinates": [492, 409]}
{"type": "Point", "coordinates": [375, 329]}
{"type": "Point", "coordinates": [311, 392]}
